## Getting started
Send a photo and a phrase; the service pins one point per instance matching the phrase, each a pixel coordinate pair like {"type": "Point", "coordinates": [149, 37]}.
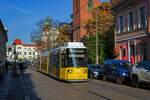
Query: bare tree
{"type": "Point", "coordinates": [45, 34]}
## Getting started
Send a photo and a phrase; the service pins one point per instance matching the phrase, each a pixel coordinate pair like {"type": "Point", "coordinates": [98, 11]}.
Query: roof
{"type": "Point", "coordinates": [17, 42]}
{"type": "Point", "coordinates": [29, 45]}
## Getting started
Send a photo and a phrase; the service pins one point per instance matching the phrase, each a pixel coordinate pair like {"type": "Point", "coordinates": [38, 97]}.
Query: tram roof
{"type": "Point", "coordinates": [74, 45]}
{"type": "Point", "coordinates": [68, 45]}
{"type": "Point", "coordinates": [71, 45]}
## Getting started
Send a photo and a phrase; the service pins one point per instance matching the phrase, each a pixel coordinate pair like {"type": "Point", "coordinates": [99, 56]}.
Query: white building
{"type": "Point", "coordinates": [23, 51]}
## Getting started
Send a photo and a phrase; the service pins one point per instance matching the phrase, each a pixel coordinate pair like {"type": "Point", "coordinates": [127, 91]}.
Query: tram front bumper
{"type": "Point", "coordinates": [76, 77]}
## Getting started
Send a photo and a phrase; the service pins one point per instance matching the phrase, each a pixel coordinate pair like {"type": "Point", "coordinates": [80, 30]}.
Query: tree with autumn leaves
{"type": "Point", "coordinates": [65, 34]}
{"type": "Point", "coordinates": [49, 34]}
{"type": "Point", "coordinates": [105, 29]}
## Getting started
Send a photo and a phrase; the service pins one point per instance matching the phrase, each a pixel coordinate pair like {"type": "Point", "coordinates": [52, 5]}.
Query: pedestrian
{"type": "Point", "coordinates": [21, 67]}
{"type": "Point", "coordinates": [6, 66]}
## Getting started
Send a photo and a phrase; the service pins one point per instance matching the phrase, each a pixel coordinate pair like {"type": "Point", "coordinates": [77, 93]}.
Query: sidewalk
{"type": "Point", "coordinates": [11, 88]}
{"type": "Point", "coordinates": [18, 87]}
{"type": "Point", "coordinates": [16, 90]}
{"type": "Point", "coordinates": [4, 87]}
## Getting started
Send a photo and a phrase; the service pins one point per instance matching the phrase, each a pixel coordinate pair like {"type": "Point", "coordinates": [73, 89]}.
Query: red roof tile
{"type": "Point", "coordinates": [17, 42]}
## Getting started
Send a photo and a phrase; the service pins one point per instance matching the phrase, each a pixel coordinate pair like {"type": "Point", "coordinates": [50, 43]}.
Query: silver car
{"type": "Point", "coordinates": [140, 74]}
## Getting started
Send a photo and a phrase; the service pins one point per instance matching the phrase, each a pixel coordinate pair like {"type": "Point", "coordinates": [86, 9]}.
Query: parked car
{"type": "Point", "coordinates": [94, 71]}
{"type": "Point", "coordinates": [140, 73]}
{"type": "Point", "coordinates": [2, 70]}
{"type": "Point", "coordinates": [116, 70]}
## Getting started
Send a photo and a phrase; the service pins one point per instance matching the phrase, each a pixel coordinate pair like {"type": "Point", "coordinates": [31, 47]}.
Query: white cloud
{"type": "Point", "coordinates": [22, 10]}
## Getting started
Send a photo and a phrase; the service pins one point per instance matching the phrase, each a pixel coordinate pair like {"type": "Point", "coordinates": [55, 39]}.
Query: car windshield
{"type": "Point", "coordinates": [124, 64]}
{"type": "Point", "coordinates": [146, 65]}
{"type": "Point", "coordinates": [76, 57]}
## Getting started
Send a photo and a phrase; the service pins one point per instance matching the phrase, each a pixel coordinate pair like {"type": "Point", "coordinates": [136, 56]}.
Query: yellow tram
{"type": "Point", "coordinates": [68, 63]}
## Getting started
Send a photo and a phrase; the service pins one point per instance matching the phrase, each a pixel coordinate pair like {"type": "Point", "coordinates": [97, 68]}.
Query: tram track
{"type": "Point", "coordinates": [118, 89]}
{"type": "Point", "coordinates": [87, 90]}
{"type": "Point", "coordinates": [103, 90]}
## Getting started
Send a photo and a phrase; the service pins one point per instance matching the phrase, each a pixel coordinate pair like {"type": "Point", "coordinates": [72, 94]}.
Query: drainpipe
{"type": "Point", "coordinates": [129, 52]}
{"type": "Point", "coordinates": [135, 48]}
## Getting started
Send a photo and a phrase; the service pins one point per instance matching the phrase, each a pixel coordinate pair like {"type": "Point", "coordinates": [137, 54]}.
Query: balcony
{"type": "Point", "coordinates": [122, 3]}
{"type": "Point", "coordinates": [116, 2]}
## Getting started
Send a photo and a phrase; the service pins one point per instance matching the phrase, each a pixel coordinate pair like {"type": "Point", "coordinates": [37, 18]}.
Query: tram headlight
{"type": "Point", "coordinates": [84, 71]}
{"type": "Point", "coordinates": [69, 71]}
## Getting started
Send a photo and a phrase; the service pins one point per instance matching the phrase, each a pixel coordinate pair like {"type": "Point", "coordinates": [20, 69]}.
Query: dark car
{"type": "Point", "coordinates": [94, 71]}
{"type": "Point", "coordinates": [116, 70]}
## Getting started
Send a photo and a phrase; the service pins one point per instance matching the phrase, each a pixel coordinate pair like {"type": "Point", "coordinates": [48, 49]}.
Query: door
{"type": "Point", "coordinates": [113, 72]}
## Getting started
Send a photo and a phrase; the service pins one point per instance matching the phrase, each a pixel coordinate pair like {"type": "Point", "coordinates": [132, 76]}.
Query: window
{"type": "Point", "coordinates": [130, 21]}
{"type": "Point", "coordinates": [25, 53]}
{"type": "Point", "coordinates": [30, 53]}
{"type": "Point", "coordinates": [121, 24]}
{"type": "Point", "coordinates": [76, 57]}
{"type": "Point", "coordinates": [142, 17]}
{"type": "Point", "coordinates": [90, 5]}
{"type": "Point", "coordinates": [144, 65]}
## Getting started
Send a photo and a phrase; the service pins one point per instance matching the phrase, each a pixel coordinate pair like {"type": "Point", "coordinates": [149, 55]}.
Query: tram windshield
{"type": "Point", "coordinates": [76, 57]}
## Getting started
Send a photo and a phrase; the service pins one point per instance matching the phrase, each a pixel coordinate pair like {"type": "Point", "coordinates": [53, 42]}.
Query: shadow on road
{"type": "Point", "coordinates": [22, 88]}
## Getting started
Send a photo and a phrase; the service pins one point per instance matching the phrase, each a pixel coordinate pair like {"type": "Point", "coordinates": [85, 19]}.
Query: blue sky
{"type": "Point", "coordinates": [20, 16]}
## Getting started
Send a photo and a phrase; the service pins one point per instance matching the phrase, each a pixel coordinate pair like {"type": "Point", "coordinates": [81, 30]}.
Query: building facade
{"type": "Point", "coordinates": [23, 51]}
{"type": "Point", "coordinates": [82, 11]}
{"type": "Point", "coordinates": [3, 40]}
{"type": "Point", "coordinates": [132, 30]}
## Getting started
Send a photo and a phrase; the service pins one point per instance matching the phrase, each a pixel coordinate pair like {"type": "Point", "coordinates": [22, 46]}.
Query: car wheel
{"type": "Point", "coordinates": [104, 78]}
{"type": "Point", "coordinates": [119, 80]}
{"type": "Point", "coordinates": [134, 82]}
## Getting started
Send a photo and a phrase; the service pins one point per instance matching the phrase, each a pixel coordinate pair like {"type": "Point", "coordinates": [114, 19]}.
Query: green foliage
{"type": "Point", "coordinates": [105, 29]}
{"type": "Point", "coordinates": [90, 43]}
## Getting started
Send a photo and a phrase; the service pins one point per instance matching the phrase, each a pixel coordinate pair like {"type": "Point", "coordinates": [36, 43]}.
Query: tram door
{"type": "Point", "coordinates": [57, 65]}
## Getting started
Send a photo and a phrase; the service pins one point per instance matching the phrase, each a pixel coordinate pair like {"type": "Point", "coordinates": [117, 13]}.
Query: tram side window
{"type": "Point", "coordinates": [63, 61]}
{"type": "Point", "coordinates": [55, 60]}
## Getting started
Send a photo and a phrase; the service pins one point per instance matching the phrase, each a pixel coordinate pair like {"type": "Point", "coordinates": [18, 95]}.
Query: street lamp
{"type": "Point", "coordinates": [15, 53]}
{"type": "Point", "coordinates": [15, 58]}
{"type": "Point", "coordinates": [97, 55]}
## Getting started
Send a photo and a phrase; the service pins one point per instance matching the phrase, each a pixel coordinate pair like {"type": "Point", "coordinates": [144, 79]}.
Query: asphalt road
{"type": "Point", "coordinates": [38, 86]}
